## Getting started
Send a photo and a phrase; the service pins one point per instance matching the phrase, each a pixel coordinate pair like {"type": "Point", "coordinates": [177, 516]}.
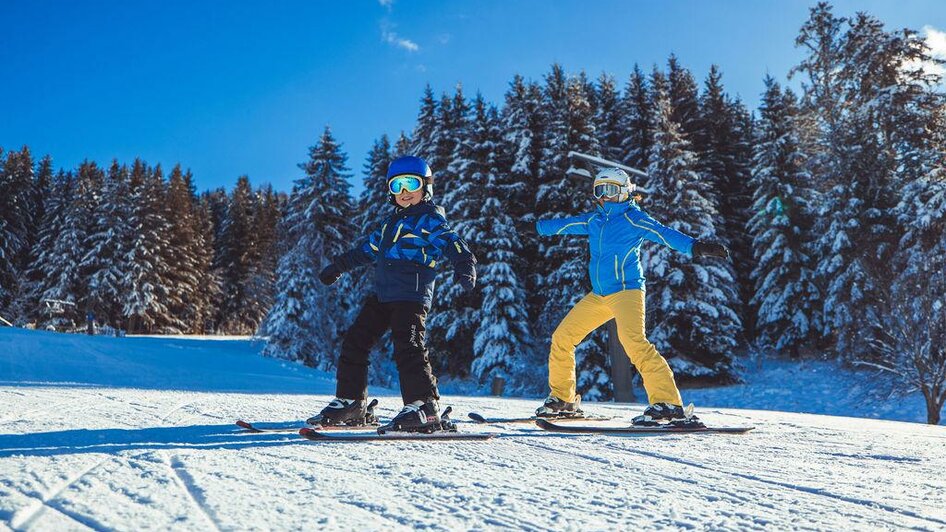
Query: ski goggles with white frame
{"type": "Point", "coordinates": [608, 190]}
{"type": "Point", "coordinates": [405, 182]}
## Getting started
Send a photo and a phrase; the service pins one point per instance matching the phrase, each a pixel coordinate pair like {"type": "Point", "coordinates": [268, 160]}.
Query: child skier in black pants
{"type": "Point", "coordinates": [405, 249]}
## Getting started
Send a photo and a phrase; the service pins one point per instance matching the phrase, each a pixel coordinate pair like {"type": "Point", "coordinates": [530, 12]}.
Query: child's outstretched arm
{"type": "Point", "coordinates": [456, 251]}
{"type": "Point", "coordinates": [572, 225]}
{"type": "Point", "coordinates": [360, 255]}
{"type": "Point", "coordinates": [661, 234]}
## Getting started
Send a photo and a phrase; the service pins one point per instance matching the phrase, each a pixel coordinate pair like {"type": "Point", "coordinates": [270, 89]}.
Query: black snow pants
{"type": "Point", "coordinates": [406, 320]}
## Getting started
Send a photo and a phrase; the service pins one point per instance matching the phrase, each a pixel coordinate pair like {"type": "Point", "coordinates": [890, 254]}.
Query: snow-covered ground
{"type": "Point", "coordinates": [137, 433]}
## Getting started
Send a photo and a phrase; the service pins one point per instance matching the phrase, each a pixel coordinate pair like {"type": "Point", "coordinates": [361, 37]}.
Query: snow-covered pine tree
{"type": "Point", "coordinates": [607, 118]}
{"type": "Point", "coordinates": [872, 132]}
{"type": "Point", "coordinates": [305, 320]}
{"type": "Point", "coordinates": [238, 262]}
{"type": "Point", "coordinates": [49, 265]}
{"type": "Point", "coordinates": [62, 268]}
{"type": "Point", "coordinates": [217, 202]}
{"type": "Point", "coordinates": [821, 37]}
{"type": "Point", "coordinates": [922, 208]}
{"type": "Point", "coordinates": [8, 239]}
{"type": "Point", "coordinates": [456, 123]}
{"type": "Point", "coordinates": [402, 146]}
{"type": "Point", "coordinates": [692, 301]}
{"type": "Point", "coordinates": [554, 199]}
{"type": "Point", "coordinates": [821, 104]}
{"type": "Point", "coordinates": [208, 291]}
{"type": "Point", "coordinates": [17, 224]}
{"type": "Point", "coordinates": [910, 341]}
{"type": "Point", "coordinates": [502, 345]}
{"type": "Point", "coordinates": [635, 121]}
{"type": "Point", "coordinates": [684, 100]}
{"type": "Point", "coordinates": [426, 134]}
{"type": "Point", "coordinates": [145, 306]}
{"type": "Point", "coordinates": [461, 195]}
{"type": "Point", "coordinates": [522, 129]}
{"type": "Point", "coordinates": [444, 138]}
{"type": "Point", "coordinates": [104, 265]}
{"type": "Point", "coordinates": [374, 205]}
{"type": "Point", "coordinates": [521, 156]}
{"type": "Point", "coordinates": [738, 201]}
{"type": "Point", "coordinates": [261, 278]}
{"type": "Point", "coordinates": [724, 164]}
{"type": "Point", "coordinates": [548, 201]}
{"type": "Point", "coordinates": [26, 307]}
{"type": "Point", "coordinates": [184, 273]}
{"type": "Point", "coordinates": [785, 299]}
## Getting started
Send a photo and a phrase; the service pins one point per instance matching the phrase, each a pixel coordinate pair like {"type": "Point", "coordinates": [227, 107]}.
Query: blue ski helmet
{"type": "Point", "coordinates": [410, 165]}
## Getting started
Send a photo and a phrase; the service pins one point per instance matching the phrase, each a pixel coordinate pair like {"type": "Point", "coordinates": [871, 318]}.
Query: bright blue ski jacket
{"type": "Point", "coordinates": [615, 234]}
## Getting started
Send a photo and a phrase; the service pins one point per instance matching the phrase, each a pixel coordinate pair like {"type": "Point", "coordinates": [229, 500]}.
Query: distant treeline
{"type": "Point", "coordinates": [141, 251]}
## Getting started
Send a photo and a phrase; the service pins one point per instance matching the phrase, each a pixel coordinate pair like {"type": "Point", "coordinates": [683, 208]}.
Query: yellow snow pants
{"type": "Point", "coordinates": [627, 309]}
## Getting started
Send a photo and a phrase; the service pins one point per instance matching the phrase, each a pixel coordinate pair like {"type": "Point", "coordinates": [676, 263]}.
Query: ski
{"type": "Point", "coordinates": [254, 429]}
{"type": "Point", "coordinates": [249, 427]}
{"type": "Point", "coordinates": [371, 422]}
{"type": "Point", "coordinates": [662, 429]}
{"type": "Point", "coordinates": [478, 418]}
{"type": "Point", "coordinates": [317, 435]}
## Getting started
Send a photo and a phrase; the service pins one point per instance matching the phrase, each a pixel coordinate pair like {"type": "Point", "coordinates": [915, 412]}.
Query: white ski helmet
{"type": "Point", "coordinates": [613, 182]}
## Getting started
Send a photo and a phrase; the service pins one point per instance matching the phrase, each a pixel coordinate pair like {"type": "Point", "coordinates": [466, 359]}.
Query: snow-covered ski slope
{"type": "Point", "coordinates": [137, 433]}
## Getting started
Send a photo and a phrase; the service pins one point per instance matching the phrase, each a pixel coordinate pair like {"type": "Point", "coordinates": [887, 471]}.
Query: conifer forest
{"type": "Point", "coordinates": [830, 194]}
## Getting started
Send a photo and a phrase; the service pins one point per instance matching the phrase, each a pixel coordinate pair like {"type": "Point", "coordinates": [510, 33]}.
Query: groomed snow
{"type": "Point", "coordinates": [137, 433]}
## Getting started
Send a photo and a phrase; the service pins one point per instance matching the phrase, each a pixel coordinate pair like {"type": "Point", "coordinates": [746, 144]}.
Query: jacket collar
{"type": "Point", "coordinates": [614, 209]}
{"type": "Point", "coordinates": [424, 207]}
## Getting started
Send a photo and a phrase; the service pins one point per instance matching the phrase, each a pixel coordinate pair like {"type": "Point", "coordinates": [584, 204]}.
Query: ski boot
{"type": "Point", "coordinates": [553, 407]}
{"type": "Point", "coordinates": [353, 413]}
{"type": "Point", "coordinates": [665, 414]}
{"type": "Point", "coordinates": [418, 418]}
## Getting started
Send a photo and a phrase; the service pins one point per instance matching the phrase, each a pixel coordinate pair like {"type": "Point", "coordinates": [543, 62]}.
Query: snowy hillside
{"type": "Point", "coordinates": [135, 433]}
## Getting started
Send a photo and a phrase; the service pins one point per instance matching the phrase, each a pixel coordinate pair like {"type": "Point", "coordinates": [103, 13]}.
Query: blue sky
{"type": "Point", "coordinates": [231, 88]}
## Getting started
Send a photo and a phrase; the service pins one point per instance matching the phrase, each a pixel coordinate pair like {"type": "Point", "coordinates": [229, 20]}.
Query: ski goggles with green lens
{"type": "Point", "coordinates": [400, 183]}
{"type": "Point", "coordinates": [607, 190]}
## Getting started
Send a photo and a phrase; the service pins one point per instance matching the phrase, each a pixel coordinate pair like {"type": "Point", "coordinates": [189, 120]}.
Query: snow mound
{"type": "Point", "coordinates": [107, 433]}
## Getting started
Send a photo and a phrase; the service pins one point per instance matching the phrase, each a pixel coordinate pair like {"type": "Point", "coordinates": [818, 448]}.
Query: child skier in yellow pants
{"type": "Point", "coordinates": [616, 230]}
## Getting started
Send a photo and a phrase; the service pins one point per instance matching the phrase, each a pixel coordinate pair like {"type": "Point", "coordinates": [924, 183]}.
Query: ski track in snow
{"type": "Point", "coordinates": [104, 455]}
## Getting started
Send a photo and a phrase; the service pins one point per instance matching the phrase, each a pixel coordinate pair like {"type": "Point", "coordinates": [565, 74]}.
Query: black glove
{"type": "Point", "coordinates": [710, 249]}
{"type": "Point", "coordinates": [330, 274]}
{"type": "Point", "coordinates": [466, 281]}
{"type": "Point", "coordinates": [528, 230]}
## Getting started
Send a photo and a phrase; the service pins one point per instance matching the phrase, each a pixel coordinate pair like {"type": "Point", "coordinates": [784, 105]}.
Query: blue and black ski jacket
{"type": "Point", "coordinates": [615, 234]}
{"type": "Point", "coordinates": [406, 249]}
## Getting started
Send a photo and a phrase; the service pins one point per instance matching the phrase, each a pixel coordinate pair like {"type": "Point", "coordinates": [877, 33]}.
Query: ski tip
{"type": "Point", "coordinates": [310, 434]}
{"type": "Point", "coordinates": [247, 426]}
{"type": "Point", "coordinates": [476, 417]}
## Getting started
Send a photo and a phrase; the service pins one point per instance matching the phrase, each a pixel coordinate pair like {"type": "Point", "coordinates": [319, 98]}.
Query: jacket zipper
{"type": "Point", "coordinates": [417, 282]}
{"type": "Point", "coordinates": [598, 264]}
{"type": "Point", "coordinates": [616, 278]}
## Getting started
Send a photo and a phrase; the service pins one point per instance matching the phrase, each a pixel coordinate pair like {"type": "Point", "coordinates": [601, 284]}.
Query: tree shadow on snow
{"type": "Point", "coordinates": [113, 441]}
